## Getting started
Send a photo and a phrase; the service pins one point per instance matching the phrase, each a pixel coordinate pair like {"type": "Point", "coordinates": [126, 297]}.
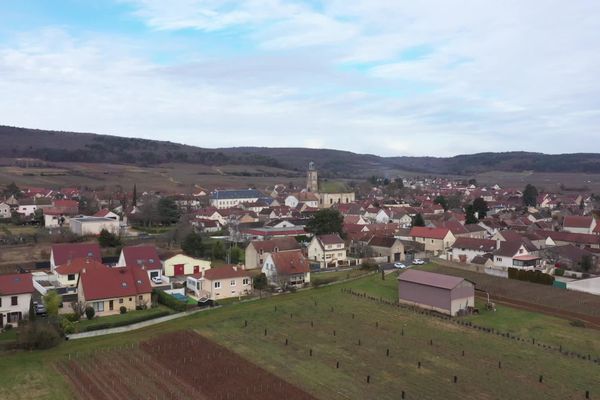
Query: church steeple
{"type": "Point", "coordinates": [312, 179]}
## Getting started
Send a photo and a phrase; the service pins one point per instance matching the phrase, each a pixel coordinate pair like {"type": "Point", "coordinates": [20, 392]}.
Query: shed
{"type": "Point", "coordinates": [443, 293]}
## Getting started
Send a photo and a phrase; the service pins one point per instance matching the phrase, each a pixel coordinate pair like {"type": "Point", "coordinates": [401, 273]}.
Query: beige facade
{"type": "Point", "coordinates": [218, 289]}
{"type": "Point", "coordinates": [112, 306]}
{"type": "Point", "coordinates": [328, 255]}
{"type": "Point", "coordinates": [181, 264]}
{"type": "Point", "coordinates": [437, 245]}
{"type": "Point", "coordinates": [327, 200]}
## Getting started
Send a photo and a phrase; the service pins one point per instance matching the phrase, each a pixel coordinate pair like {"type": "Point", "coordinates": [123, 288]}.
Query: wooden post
{"type": "Point", "coordinates": [419, 364]}
{"type": "Point", "coordinates": [541, 378]}
{"type": "Point", "coordinates": [368, 378]}
{"type": "Point", "coordinates": [387, 352]}
{"type": "Point", "coordinates": [455, 378]}
{"type": "Point", "coordinates": [337, 364]}
{"type": "Point", "coordinates": [265, 331]}
{"type": "Point", "coordinates": [310, 352]}
{"type": "Point", "coordinates": [286, 341]}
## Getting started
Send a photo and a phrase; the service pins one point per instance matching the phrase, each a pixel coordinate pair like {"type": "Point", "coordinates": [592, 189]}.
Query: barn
{"type": "Point", "coordinates": [442, 293]}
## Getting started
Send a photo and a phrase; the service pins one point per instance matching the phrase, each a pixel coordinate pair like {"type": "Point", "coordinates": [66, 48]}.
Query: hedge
{"type": "Point", "coordinates": [125, 322]}
{"type": "Point", "coordinates": [169, 301]}
{"type": "Point", "coordinates": [530, 276]}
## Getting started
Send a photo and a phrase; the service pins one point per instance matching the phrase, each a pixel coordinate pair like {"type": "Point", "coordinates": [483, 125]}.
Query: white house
{"type": "Point", "coordinates": [5, 211]}
{"type": "Point", "coordinates": [579, 224]}
{"type": "Point", "coordinates": [220, 283]}
{"type": "Point", "coordinates": [288, 268]}
{"type": "Point", "coordinates": [233, 198]}
{"type": "Point", "coordinates": [15, 298]}
{"type": "Point", "coordinates": [327, 250]}
{"type": "Point", "coordinates": [516, 254]}
{"type": "Point", "coordinates": [84, 226]}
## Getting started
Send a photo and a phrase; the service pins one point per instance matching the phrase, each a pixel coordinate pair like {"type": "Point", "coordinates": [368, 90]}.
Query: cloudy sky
{"type": "Point", "coordinates": [388, 77]}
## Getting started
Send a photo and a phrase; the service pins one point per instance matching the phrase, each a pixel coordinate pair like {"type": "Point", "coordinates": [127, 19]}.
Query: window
{"type": "Point", "coordinates": [232, 282]}
{"type": "Point", "coordinates": [71, 277]}
{"type": "Point", "coordinates": [246, 281]}
{"type": "Point", "coordinates": [98, 306]}
{"type": "Point", "coordinates": [140, 297]}
{"type": "Point", "coordinates": [120, 301]}
{"type": "Point", "coordinates": [217, 285]}
{"type": "Point", "coordinates": [0, 301]}
{"type": "Point", "coordinates": [14, 301]}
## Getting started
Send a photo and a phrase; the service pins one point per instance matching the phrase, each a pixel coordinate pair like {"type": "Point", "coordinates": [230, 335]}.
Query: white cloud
{"type": "Point", "coordinates": [349, 75]}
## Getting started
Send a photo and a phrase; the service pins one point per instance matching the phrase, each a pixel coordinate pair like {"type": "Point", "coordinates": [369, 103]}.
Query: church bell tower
{"type": "Point", "coordinates": [312, 179]}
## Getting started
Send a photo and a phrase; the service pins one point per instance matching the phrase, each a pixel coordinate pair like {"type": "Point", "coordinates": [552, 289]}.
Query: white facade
{"type": "Point", "coordinates": [14, 308]}
{"type": "Point", "coordinates": [27, 210]}
{"type": "Point", "coordinates": [93, 225]}
{"type": "Point", "coordinates": [5, 211]}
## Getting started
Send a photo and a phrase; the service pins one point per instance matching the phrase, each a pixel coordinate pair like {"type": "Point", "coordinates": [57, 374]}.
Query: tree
{"type": "Point", "coordinates": [418, 220]}
{"type": "Point", "coordinates": [78, 308]}
{"type": "Point", "coordinates": [13, 190]}
{"type": "Point", "coordinates": [473, 181]}
{"type": "Point", "coordinates": [470, 217]}
{"type": "Point", "coordinates": [52, 302]}
{"type": "Point", "coordinates": [218, 251]}
{"type": "Point", "coordinates": [168, 211]}
{"type": "Point", "coordinates": [90, 312]}
{"type": "Point", "coordinates": [31, 315]}
{"type": "Point", "coordinates": [192, 245]}
{"type": "Point", "coordinates": [586, 263]}
{"type": "Point", "coordinates": [260, 283]}
{"type": "Point", "coordinates": [441, 200]}
{"type": "Point", "coordinates": [236, 255]}
{"type": "Point", "coordinates": [108, 239]}
{"type": "Point", "coordinates": [530, 195]}
{"type": "Point", "coordinates": [480, 206]}
{"type": "Point", "coordinates": [134, 200]}
{"type": "Point", "coordinates": [327, 220]}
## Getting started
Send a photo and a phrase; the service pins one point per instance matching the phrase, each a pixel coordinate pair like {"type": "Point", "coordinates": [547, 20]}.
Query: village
{"type": "Point", "coordinates": [97, 264]}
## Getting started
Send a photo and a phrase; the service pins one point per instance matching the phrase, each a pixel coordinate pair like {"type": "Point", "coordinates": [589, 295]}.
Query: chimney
{"type": "Point", "coordinates": [235, 267]}
{"type": "Point", "coordinates": [83, 271]}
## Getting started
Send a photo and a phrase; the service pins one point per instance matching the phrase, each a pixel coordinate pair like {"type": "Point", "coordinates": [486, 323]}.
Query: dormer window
{"type": "Point", "coordinates": [124, 284]}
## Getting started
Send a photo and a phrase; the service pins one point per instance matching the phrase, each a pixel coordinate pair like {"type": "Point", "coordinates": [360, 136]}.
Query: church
{"type": "Point", "coordinates": [328, 196]}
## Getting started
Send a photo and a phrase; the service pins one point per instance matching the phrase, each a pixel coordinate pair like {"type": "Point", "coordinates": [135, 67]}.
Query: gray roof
{"type": "Point", "coordinates": [430, 279]}
{"type": "Point", "coordinates": [236, 194]}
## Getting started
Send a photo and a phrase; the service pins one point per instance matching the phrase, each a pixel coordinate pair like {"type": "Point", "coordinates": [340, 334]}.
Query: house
{"type": "Point", "coordinates": [180, 264]}
{"type": "Point", "coordinates": [233, 198]}
{"type": "Point", "coordinates": [327, 200]}
{"type": "Point", "coordinates": [579, 224]}
{"type": "Point", "coordinates": [288, 268]}
{"type": "Point", "coordinates": [442, 293]}
{"type": "Point", "coordinates": [436, 240]}
{"type": "Point", "coordinates": [520, 254]}
{"type": "Point", "coordinates": [145, 257]}
{"type": "Point", "coordinates": [5, 211]}
{"type": "Point", "coordinates": [308, 198]}
{"type": "Point", "coordinates": [328, 250]}
{"type": "Point", "coordinates": [92, 226]}
{"type": "Point", "coordinates": [68, 274]}
{"type": "Point", "coordinates": [106, 213]}
{"type": "Point", "coordinates": [466, 249]}
{"type": "Point", "coordinates": [61, 254]}
{"type": "Point", "coordinates": [108, 289]}
{"type": "Point", "coordinates": [220, 283]}
{"type": "Point", "coordinates": [257, 251]}
{"type": "Point", "coordinates": [390, 247]}
{"type": "Point", "coordinates": [15, 298]}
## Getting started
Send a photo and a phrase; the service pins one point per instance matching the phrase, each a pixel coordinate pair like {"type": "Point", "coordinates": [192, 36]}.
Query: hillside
{"type": "Point", "coordinates": [54, 146]}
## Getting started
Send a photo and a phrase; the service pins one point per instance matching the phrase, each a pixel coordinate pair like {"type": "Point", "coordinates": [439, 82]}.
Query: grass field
{"type": "Point", "coordinates": [379, 327]}
{"type": "Point", "coordinates": [129, 316]}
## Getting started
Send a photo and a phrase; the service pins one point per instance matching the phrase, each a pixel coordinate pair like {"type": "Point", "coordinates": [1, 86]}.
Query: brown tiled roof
{"type": "Point", "coordinates": [429, 233]}
{"type": "Point", "coordinates": [330, 239]}
{"type": "Point", "coordinates": [290, 262]}
{"type": "Point", "coordinates": [282, 244]}
{"type": "Point", "coordinates": [100, 282]}
{"type": "Point", "coordinates": [141, 256]}
{"type": "Point", "coordinates": [577, 221]}
{"type": "Point", "coordinates": [225, 272]}
{"type": "Point", "coordinates": [484, 245]}
{"type": "Point", "coordinates": [70, 251]}
{"type": "Point", "coordinates": [430, 279]}
{"type": "Point", "coordinates": [382, 241]}
{"type": "Point", "coordinates": [75, 266]}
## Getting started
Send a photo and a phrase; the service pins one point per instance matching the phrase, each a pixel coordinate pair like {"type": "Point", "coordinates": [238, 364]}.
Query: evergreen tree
{"type": "Point", "coordinates": [418, 220]}
{"type": "Point", "coordinates": [530, 195]}
{"type": "Point", "coordinates": [192, 245]}
{"type": "Point", "coordinates": [134, 200]}
{"type": "Point", "coordinates": [325, 221]}
{"type": "Point", "coordinates": [470, 218]}
{"type": "Point", "coordinates": [441, 200]}
{"type": "Point", "coordinates": [480, 206]}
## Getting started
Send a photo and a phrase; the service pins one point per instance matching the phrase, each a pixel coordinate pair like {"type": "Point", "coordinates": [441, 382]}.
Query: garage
{"type": "Point", "coordinates": [178, 269]}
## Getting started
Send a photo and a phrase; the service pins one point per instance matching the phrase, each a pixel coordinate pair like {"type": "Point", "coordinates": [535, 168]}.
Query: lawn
{"type": "Point", "coordinates": [129, 316]}
{"type": "Point", "coordinates": [320, 278]}
{"type": "Point", "coordinates": [410, 337]}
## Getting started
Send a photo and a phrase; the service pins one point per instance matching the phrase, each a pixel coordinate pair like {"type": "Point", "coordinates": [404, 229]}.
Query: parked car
{"type": "Point", "coordinates": [418, 261]}
{"type": "Point", "coordinates": [399, 266]}
{"type": "Point", "coordinates": [157, 280]}
{"type": "Point", "coordinates": [206, 302]}
{"type": "Point", "coordinates": [40, 309]}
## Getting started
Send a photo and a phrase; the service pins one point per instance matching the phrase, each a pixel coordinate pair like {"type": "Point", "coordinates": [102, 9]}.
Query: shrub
{"type": "Point", "coordinates": [369, 265]}
{"type": "Point", "coordinates": [169, 301]}
{"type": "Point", "coordinates": [530, 276]}
{"type": "Point", "coordinates": [116, 324]}
{"type": "Point", "coordinates": [72, 317]}
{"type": "Point", "coordinates": [89, 312]}
{"type": "Point", "coordinates": [123, 310]}
{"type": "Point", "coordinates": [39, 335]}
{"type": "Point", "coordinates": [577, 323]}
{"type": "Point", "coordinates": [67, 326]}
{"type": "Point", "coordinates": [559, 272]}
{"type": "Point", "coordinates": [8, 327]}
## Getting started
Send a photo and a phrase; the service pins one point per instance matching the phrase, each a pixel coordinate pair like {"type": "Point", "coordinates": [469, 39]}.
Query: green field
{"type": "Point", "coordinates": [436, 343]}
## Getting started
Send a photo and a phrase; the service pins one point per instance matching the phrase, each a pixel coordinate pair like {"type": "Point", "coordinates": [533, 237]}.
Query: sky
{"type": "Point", "coordinates": [386, 77]}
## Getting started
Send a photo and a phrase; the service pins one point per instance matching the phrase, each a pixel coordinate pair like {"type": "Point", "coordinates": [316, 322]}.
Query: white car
{"type": "Point", "coordinates": [418, 261]}
{"type": "Point", "coordinates": [157, 280]}
{"type": "Point", "coordinates": [399, 266]}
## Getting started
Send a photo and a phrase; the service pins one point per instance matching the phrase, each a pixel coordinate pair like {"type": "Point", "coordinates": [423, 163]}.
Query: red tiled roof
{"type": "Point", "coordinates": [577, 221]}
{"type": "Point", "coordinates": [102, 213]}
{"type": "Point", "coordinates": [69, 251]}
{"type": "Point", "coordinates": [290, 262]}
{"type": "Point", "coordinates": [101, 282]}
{"type": "Point", "coordinates": [225, 272]}
{"type": "Point", "coordinates": [75, 266]}
{"type": "Point", "coordinates": [579, 238]}
{"type": "Point", "coordinates": [141, 255]}
{"type": "Point", "coordinates": [382, 241]}
{"type": "Point", "coordinates": [12, 284]}
{"type": "Point", "coordinates": [430, 279]}
{"type": "Point", "coordinates": [429, 233]}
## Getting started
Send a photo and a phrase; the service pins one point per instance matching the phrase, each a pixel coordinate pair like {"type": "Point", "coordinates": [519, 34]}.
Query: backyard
{"type": "Point", "coordinates": [342, 346]}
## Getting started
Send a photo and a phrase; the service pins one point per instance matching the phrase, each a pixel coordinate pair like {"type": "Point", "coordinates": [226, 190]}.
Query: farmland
{"type": "Point", "coordinates": [325, 326]}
